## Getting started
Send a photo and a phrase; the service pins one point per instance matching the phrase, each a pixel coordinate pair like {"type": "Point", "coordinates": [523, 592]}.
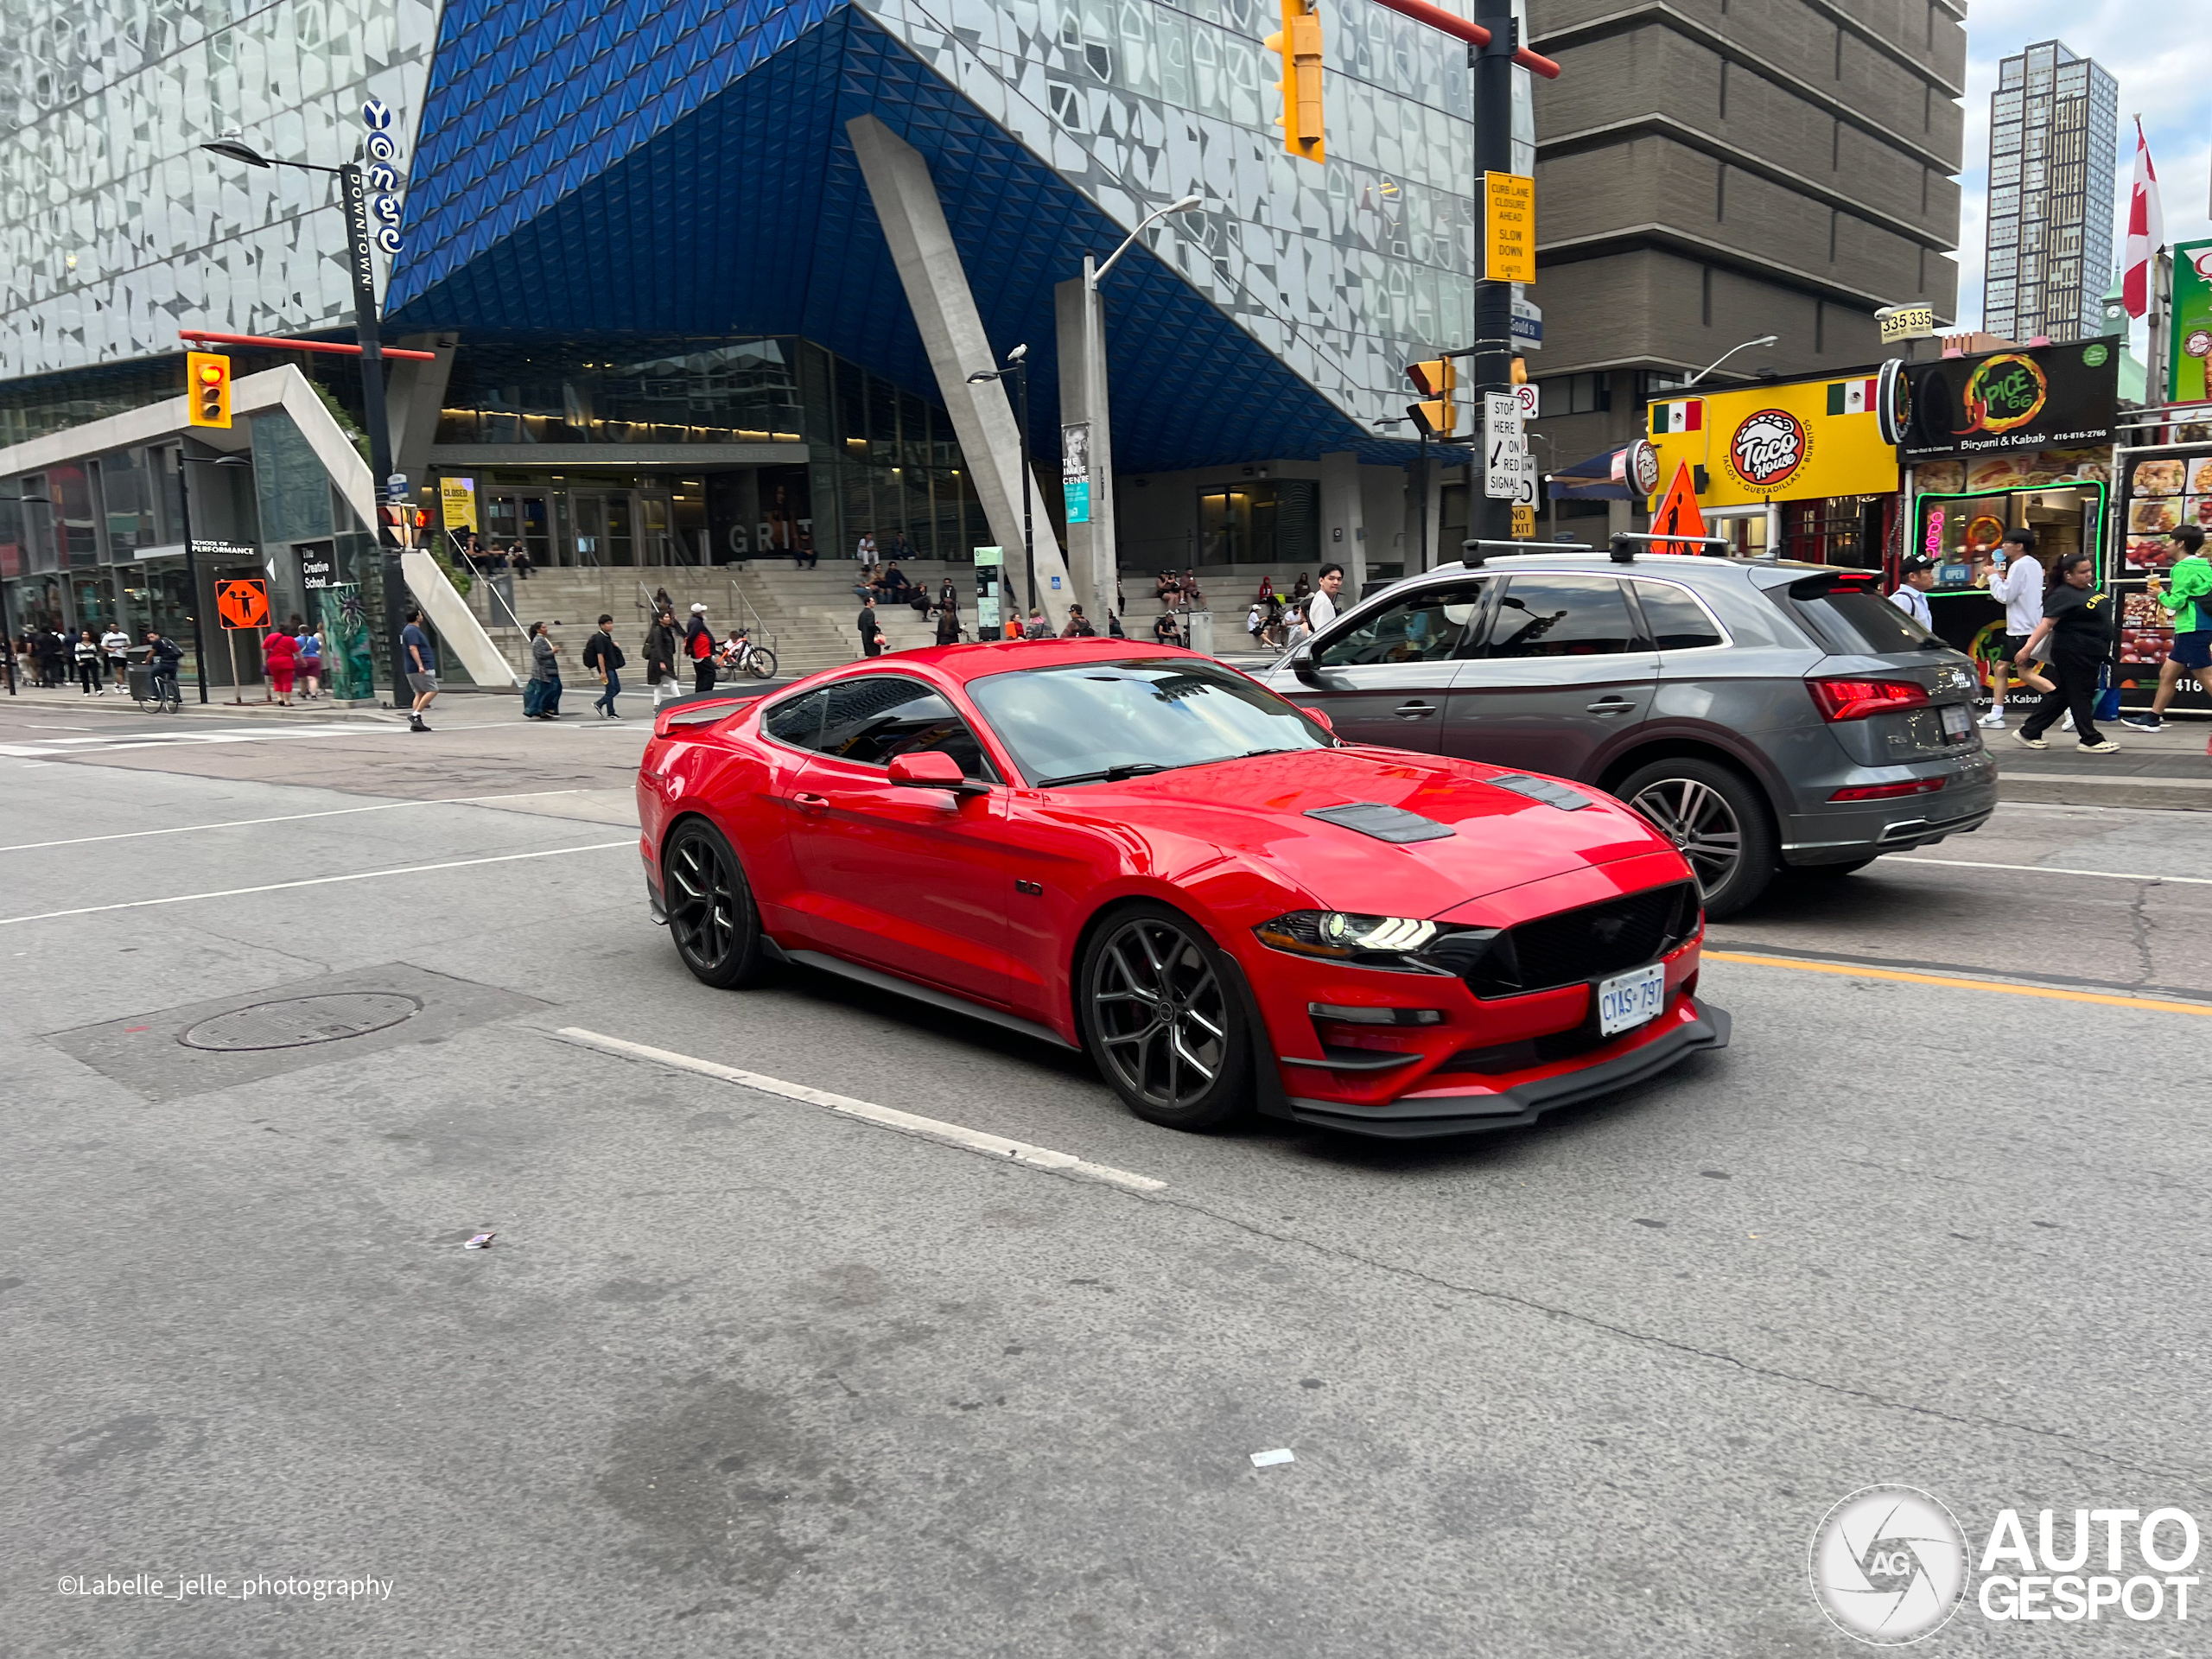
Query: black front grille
{"type": "Point", "coordinates": [1591, 943]}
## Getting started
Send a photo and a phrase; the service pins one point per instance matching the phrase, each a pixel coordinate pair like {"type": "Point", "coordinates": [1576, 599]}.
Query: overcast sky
{"type": "Point", "coordinates": [2159, 51]}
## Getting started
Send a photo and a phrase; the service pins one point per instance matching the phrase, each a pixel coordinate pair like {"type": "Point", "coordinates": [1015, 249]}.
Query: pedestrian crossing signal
{"type": "Point", "coordinates": [1435, 379]}
{"type": "Point", "coordinates": [1299, 46]}
{"type": "Point", "coordinates": [207, 375]}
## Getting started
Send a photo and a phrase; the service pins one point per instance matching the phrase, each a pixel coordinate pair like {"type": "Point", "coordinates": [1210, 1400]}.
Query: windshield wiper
{"type": "Point", "coordinates": [1289, 749]}
{"type": "Point", "coordinates": [1112, 774]}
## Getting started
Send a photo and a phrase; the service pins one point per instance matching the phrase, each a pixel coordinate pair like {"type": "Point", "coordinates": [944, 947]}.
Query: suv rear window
{"type": "Point", "coordinates": [1853, 619]}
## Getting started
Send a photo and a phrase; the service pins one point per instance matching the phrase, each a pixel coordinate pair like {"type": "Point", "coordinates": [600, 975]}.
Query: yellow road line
{"type": "Point", "coordinates": [1959, 984]}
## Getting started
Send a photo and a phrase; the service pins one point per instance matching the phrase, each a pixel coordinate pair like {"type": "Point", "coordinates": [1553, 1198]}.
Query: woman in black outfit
{"type": "Point", "coordinates": [2079, 625]}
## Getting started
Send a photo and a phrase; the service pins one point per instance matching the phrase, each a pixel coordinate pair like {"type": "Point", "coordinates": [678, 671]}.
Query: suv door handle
{"type": "Point", "coordinates": [1612, 706]}
{"type": "Point", "coordinates": [1414, 711]}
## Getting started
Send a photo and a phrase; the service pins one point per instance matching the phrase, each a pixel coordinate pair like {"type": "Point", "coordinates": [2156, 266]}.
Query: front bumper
{"type": "Point", "coordinates": [1698, 1026]}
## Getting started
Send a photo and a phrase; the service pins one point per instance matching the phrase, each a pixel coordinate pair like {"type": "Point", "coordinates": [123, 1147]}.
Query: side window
{"type": "Point", "coordinates": [1429, 626]}
{"type": "Point", "coordinates": [1677, 621]}
{"type": "Point", "coordinates": [797, 722]}
{"type": "Point", "coordinates": [870, 719]}
{"type": "Point", "coordinates": [1562, 616]}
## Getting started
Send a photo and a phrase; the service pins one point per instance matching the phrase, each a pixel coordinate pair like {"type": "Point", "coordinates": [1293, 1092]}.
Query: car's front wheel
{"type": "Point", "coordinates": [710, 912]}
{"type": "Point", "coordinates": [1716, 818]}
{"type": "Point", "coordinates": [1162, 1020]}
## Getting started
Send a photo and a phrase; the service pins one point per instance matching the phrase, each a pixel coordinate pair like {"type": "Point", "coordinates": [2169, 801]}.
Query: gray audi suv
{"type": "Point", "coordinates": [1762, 713]}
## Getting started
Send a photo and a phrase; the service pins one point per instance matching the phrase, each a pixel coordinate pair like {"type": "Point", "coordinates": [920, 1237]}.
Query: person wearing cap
{"type": "Point", "coordinates": [2185, 595]}
{"type": "Point", "coordinates": [1918, 571]}
{"type": "Point", "coordinates": [2016, 581]}
{"type": "Point", "coordinates": [699, 646]}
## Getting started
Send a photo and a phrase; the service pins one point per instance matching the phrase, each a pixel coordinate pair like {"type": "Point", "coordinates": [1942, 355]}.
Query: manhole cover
{"type": "Point", "coordinates": [298, 1021]}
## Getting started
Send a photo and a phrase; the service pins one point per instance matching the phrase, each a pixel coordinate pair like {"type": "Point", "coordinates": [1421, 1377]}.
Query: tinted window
{"type": "Point", "coordinates": [1080, 720]}
{"type": "Point", "coordinates": [798, 722]}
{"type": "Point", "coordinates": [1856, 620]}
{"type": "Point", "coordinates": [870, 719]}
{"type": "Point", "coordinates": [1424, 627]}
{"type": "Point", "coordinates": [1562, 616]}
{"type": "Point", "coordinates": [1676, 621]}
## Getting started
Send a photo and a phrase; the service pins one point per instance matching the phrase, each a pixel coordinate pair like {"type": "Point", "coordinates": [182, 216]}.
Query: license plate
{"type": "Point", "coordinates": [1958, 722]}
{"type": "Point", "coordinates": [1627, 1001]}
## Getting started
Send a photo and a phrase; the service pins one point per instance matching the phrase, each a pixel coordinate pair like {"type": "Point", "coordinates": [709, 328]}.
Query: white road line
{"type": "Point", "coordinates": [2049, 869]}
{"type": "Point", "coordinates": [315, 882]}
{"type": "Point", "coordinates": [290, 817]}
{"type": "Point", "coordinates": [995, 1146]}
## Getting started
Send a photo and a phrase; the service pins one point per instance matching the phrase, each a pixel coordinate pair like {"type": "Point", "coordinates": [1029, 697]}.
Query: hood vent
{"type": "Point", "coordinates": [1546, 789]}
{"type": "Point", "coordinates": [1392, 823]}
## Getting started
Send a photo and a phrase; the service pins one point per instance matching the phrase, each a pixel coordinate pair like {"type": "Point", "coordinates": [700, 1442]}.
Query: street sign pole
{"type": "Point", "coordinates": [1491, 518]}
{"type": "Point", "coordinates": [192, 579]}
{"type": "Point", "coordinates": [362, 262]}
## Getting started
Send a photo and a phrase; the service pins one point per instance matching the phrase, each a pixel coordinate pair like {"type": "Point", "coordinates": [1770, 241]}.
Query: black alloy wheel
{"type": "Point", "coordinates": [710, 912]}
{"type": "Point", "coordinates": [1163, 1022]}
{"type": "Point", "coordinates": [1716, 821]}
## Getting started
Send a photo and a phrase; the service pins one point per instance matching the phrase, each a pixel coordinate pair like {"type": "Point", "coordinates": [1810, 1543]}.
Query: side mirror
{"type": "Point", "coordinates": [1301, 665]}
{"type": "Point", "coordinates": [933, 769]}
{"type": "Point", "coordinates": [1318, 718]}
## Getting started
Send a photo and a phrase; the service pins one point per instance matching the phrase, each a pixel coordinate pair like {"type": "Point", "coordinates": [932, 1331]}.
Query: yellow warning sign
{"type": "Point", "coordinates": [1509, 241]}
{"type": "Point", "coordinates": [1524, 521]}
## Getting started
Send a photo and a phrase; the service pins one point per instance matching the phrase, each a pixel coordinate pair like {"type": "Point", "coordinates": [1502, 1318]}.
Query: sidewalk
{"type": "Point", "coordinates": [321, 710]}
{"type": "Point", "coordinates": [2168, 768]}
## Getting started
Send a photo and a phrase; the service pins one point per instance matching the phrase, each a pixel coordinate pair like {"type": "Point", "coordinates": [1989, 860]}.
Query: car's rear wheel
{"type": "Point", "coordinates": [710, 912]}
{"type": "Point", "coordinates": [1162, 1022]}
{"type": "Point", "coordinates": [1716, 818]}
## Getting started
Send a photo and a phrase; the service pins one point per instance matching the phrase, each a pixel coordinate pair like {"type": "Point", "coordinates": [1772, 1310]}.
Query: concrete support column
{"type": "Point", "coordinates": [935, 283]}
{"type": "Point", "coordinates": [414, 398]}
{"type": "Point", "coordinates": [1093, 552]}
{"type": "Point", "coordinates": [1343, 522]}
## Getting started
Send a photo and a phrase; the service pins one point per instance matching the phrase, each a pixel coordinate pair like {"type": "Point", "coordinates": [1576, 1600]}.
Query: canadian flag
{"type": "Point", "coordinates": [2146, 230]}
{"type": "Point", "coordinates": [1688, 415]}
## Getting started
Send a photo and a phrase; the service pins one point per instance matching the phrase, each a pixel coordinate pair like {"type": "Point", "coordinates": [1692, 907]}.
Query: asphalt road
{"type": "Point", "coordinates": [743, 1373]}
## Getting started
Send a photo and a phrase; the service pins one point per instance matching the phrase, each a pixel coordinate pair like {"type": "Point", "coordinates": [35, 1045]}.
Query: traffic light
{"type": "Point", "coordinates": [1434, 379]}
{"type": "Point", "coordinates": [1298, 45]}
{"type": "Point", "coordinates": [207, 378]}
{"type": "Point", "coordinates": [1519, 371]}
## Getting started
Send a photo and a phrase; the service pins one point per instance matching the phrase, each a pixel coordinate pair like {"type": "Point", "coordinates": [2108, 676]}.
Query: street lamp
{"type": "Point", "coordinates": [361, 260]}
{"type": "Point", "coordinates": [1421, 489]}
{"type": "Point", "coordinates": [1017, 365]}
{"type": "Point", "coordinates": [1741, 346]}
{"type": "Point", "coordinates": [1551, 501]}
{"type": "Point", "coordinates": [192, 562]}
{"type": "Point", "coordinates": [1105, 558]}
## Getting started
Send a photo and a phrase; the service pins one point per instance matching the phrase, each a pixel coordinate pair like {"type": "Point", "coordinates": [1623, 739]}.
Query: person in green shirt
{"type": "Point", "coordinates": [2186, 597]}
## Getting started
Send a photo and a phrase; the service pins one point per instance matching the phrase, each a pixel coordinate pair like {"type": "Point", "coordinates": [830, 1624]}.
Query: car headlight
{"type": "Point", "coordinates": [1402, 943]}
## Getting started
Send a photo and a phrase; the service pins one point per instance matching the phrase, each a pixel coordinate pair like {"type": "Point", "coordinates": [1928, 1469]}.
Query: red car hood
{"type": "Point", "coordinates": [1257, 807]}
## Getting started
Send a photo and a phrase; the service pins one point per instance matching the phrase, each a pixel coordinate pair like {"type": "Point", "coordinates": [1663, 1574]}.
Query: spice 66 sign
{"type": "Point", "coordinates": [1779, 443]}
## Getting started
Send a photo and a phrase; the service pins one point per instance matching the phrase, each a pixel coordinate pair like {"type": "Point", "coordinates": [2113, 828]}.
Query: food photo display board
{"type": "Point", "coordinates": [2160, 488]}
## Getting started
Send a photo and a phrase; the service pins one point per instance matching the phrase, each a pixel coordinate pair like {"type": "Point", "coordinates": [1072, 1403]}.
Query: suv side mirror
{"type": "Point", "coordinates": [1301, 665]}
{"type": "Point", "coordinates": [934, 769]}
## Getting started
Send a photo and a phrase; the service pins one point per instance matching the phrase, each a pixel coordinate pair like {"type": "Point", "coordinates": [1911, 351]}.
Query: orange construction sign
{"type": "Point", "coordinates": [1678, 515]}
{"type": "Point", "coordinates": [243, 603]}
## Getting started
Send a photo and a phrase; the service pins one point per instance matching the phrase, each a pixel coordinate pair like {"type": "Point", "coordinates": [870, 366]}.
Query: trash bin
{"type": "Point", "coordinates": [1200, 624]}
{"type": "Point", "coordinates": [138, 679]}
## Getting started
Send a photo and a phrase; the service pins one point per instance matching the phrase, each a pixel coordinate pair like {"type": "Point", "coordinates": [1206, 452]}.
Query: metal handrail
{"type": "Point", "coordinates": [759, 628]}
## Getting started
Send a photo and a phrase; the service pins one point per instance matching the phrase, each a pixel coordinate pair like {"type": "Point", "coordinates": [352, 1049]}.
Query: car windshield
{"type": "Point", "coordinates": [1087, 722]}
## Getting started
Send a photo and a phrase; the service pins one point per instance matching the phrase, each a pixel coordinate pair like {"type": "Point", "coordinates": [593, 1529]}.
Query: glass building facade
{"type": "Point", "coordinates": [2053, 146]}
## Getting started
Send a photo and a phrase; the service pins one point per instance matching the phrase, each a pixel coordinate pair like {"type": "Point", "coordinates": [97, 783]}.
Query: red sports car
{"type": "Point", "coordinates": [1143, 853]}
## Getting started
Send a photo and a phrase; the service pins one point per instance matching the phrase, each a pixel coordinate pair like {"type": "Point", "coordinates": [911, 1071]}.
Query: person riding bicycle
{"type": "Point", "coordinates": [162, 655]}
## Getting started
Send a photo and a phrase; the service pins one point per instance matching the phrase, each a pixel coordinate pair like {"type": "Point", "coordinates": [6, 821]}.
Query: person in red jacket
{"type": "Point", "coordinates": [280, 652]}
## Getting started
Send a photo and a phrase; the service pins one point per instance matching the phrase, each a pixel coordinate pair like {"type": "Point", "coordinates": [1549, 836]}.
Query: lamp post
{"type": "Point", "coordinates": [1017, 365]}
{"type": "Point", "coordinates": [1551, 501]}
{"type": "Point", "coordinates": [1104, 553]}
{"type": "Point", "coordinates": [360, 262]}
{"type": "Point", "coordinates": [1420, 484]}
{"type": "Point", "coordinates": [6, 627]}
{"type": "Point", "coordinates": [192, 561]}
{"type": "Point", "coordinates": [1741, 346]}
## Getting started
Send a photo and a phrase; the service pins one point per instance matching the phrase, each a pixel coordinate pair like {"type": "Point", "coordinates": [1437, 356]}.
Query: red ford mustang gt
{"type": "Point", "coordinates": [1143, 853]}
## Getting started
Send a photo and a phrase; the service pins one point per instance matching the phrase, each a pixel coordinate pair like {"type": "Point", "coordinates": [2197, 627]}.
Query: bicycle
{"type": "Point", "coordinates": [748, 659]}
{"type": "Point", "coordinates": [154, 690]}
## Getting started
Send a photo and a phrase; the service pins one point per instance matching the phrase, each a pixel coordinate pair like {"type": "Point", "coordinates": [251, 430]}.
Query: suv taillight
{"type": "Point", "coordinates": [1858, 699]}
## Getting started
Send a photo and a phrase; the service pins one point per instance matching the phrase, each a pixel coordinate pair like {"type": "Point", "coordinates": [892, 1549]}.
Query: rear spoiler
{"type": "Point", "coordinates": [1822, 582]}
{"type": "Point", "coordinates": [705, 711]}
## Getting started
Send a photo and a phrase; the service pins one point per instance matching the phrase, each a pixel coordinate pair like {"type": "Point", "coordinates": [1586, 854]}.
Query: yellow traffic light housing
{"type": "Point", "coordinates": [1435, 380]}
{"type": "Point", "coordinates": [1519, 371]}
{"type": "Point", "coordinates": [1299, 46]}
{"type": "Point", "coordinates": [207, 380]}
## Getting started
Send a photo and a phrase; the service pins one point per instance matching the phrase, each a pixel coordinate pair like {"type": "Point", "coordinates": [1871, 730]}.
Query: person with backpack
{"type": "Point", "coordinates": [308, 640]}
{"type": "Point", "coordinates": [660, 646]}
{"type": "Point", "coordinates": [601, 653]}
{"type": "Point", "coordinates": [162, 655]}
{"type": "Point", "coordinates": [699, 647]}
{"type": "Point", "coordinates": [2185, 595]}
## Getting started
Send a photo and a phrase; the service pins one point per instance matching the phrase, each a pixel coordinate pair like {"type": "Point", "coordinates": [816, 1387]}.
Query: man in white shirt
{"type": "Point", "coordinates": [866, 552]}
{"type": "Point", "coordinates": [1911, 597]}
{"type": "Point", "coordinates": [1321, 607]}
{"type": "Point", "coordinates": [114, 646]}
{"type": "Point", "coordinates": [2017, 583]}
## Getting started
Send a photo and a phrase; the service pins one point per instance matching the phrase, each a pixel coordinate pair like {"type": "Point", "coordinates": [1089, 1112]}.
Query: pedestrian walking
{"type": "Point", "coordinates": [1036, 628]}
{"type": "Point", "coordinates": [871, 631]}
{"type": "Point", "coordinates": [699, 647]}
{"type": "Point", "coordinates": [422, 669]}
{"type": "Point", "coordinates": [309, 641]}
{"type": "Point", "coordinates": [662, 642]}
{"type": "Point", "coordinates": [2016, 581]}
{"type": "Point", "coordinates": [2078, 622]}
{"type": "Point", "coordinates": [1078, 626]}
{"type": "Point", "coordinates": [604, 656]}
{"type": "Point", "coordinates": [90, 675]}
{"type": "Point", "coordinates": [115, 648]}
{"type": "Point", "coordinates": [542, 697]}
{"type": "Point", "coordinates": [280, 659]}
{"type": "Point", "coordinates": [948, 614]}
{"type": "Point", "coordinates": [1916, 575]}
{"type": "Point", "coordinates": [2185, 595]}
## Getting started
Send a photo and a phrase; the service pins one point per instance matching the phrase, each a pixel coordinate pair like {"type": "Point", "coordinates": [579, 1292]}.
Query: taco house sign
{"type": "Point", "coordinates": [1785, 442]}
